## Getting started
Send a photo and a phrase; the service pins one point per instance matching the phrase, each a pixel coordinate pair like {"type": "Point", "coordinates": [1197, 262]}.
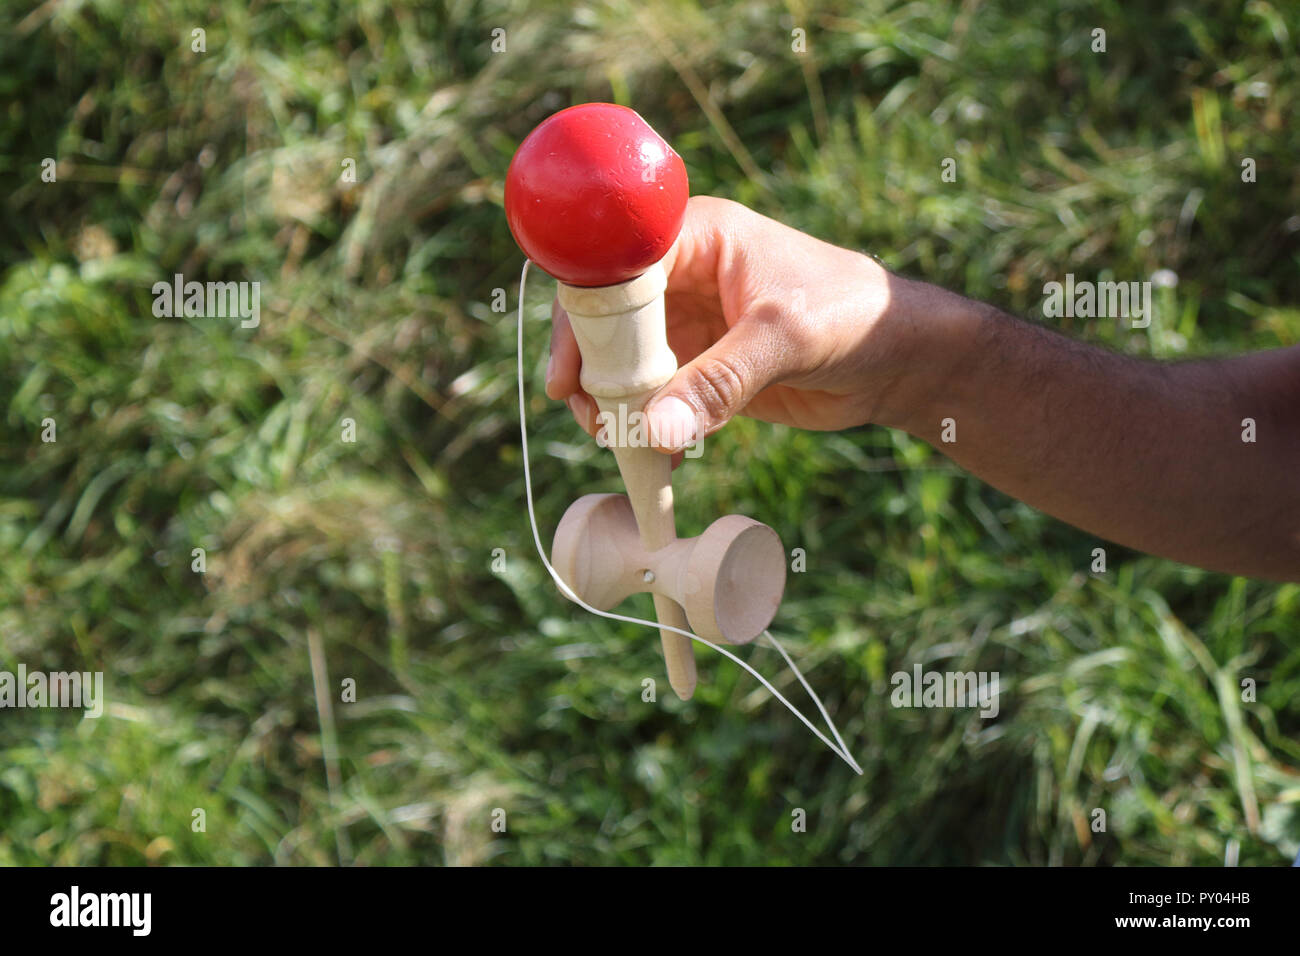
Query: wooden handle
{"type": "Point", "coordinates": [626, 359]}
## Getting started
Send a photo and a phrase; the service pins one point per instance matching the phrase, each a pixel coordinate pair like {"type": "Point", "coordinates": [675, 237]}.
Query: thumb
{"type": "Point", "coordinates": [713, 388]}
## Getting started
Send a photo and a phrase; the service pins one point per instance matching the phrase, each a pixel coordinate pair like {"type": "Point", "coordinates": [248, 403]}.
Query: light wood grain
{"type": "Point", "coordinates": [626, 359]}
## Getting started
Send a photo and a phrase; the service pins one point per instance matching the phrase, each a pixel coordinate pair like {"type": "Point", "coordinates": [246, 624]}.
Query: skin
{"type": "Point", "coordinates": [776, 325]}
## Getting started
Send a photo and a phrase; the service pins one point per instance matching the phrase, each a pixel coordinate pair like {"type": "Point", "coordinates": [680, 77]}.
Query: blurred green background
{"type": "Point", "coordinates": [480, 689]}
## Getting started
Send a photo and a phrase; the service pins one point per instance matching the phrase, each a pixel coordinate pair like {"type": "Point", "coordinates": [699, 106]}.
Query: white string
{"type": "Point", "coordinates": [842, 751]}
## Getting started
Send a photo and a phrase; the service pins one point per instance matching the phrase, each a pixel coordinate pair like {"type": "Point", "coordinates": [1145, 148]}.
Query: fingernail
{"type": "Point", "coordinates": [672, 422]}
{"type": "Point", "coordinates": [578, 405]}
{"type": "Point", "coordinates": [550, 368]}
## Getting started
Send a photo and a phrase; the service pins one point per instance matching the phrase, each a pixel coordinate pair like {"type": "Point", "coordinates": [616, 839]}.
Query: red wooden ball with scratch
{"type": "Point", "coordinates": [595, 196]}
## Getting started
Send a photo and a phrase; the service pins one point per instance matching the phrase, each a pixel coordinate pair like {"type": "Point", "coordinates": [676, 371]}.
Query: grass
{"type": "Point", "coordinates": [478, 689]}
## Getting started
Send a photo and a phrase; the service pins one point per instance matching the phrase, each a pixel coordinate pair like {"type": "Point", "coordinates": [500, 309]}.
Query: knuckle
{"type": "Point", "coordinates": [716, 208]}
{"type": "Point", "coordinates": [716, 203]}
{"type": "Point", "coordinates": [720, 384]}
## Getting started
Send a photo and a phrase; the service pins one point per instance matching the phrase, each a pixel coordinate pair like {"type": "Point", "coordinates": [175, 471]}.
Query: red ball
{"type": "Point", "coordinates": [595, 196]}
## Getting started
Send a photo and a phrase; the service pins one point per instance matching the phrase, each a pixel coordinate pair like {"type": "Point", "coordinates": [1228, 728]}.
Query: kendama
{"type": "Point", "coordinates": [596, 198]}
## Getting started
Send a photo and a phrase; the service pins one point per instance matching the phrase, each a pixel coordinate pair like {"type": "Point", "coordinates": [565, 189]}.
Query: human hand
{"type": "Point", "coordinates": [765, 321]}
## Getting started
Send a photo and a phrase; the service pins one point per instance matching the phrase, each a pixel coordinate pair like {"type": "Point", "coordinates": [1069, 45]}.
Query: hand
{"type": "Point", "coordinates": [765, 321]}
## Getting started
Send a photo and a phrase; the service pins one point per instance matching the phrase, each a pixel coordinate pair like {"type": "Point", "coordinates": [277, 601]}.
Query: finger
{"type": "Point", "coordinates": [715, 386]}
{"type": "Point", "coordinates": [678, 458]}
{"type": "Point", "coordinates": [565, 365]}
{"type": "Point", "coordinates": [584, 411]}
{"type": "Point", "coordinates": [692, 261]}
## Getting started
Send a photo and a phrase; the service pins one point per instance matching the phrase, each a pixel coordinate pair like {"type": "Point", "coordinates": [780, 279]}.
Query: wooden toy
{"type": "Point", "coordinates": [596, 198]}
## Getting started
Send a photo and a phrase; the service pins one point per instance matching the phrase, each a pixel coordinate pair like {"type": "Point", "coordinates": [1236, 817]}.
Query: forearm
{"type": "Point", "coordinates": [1145, 454]}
